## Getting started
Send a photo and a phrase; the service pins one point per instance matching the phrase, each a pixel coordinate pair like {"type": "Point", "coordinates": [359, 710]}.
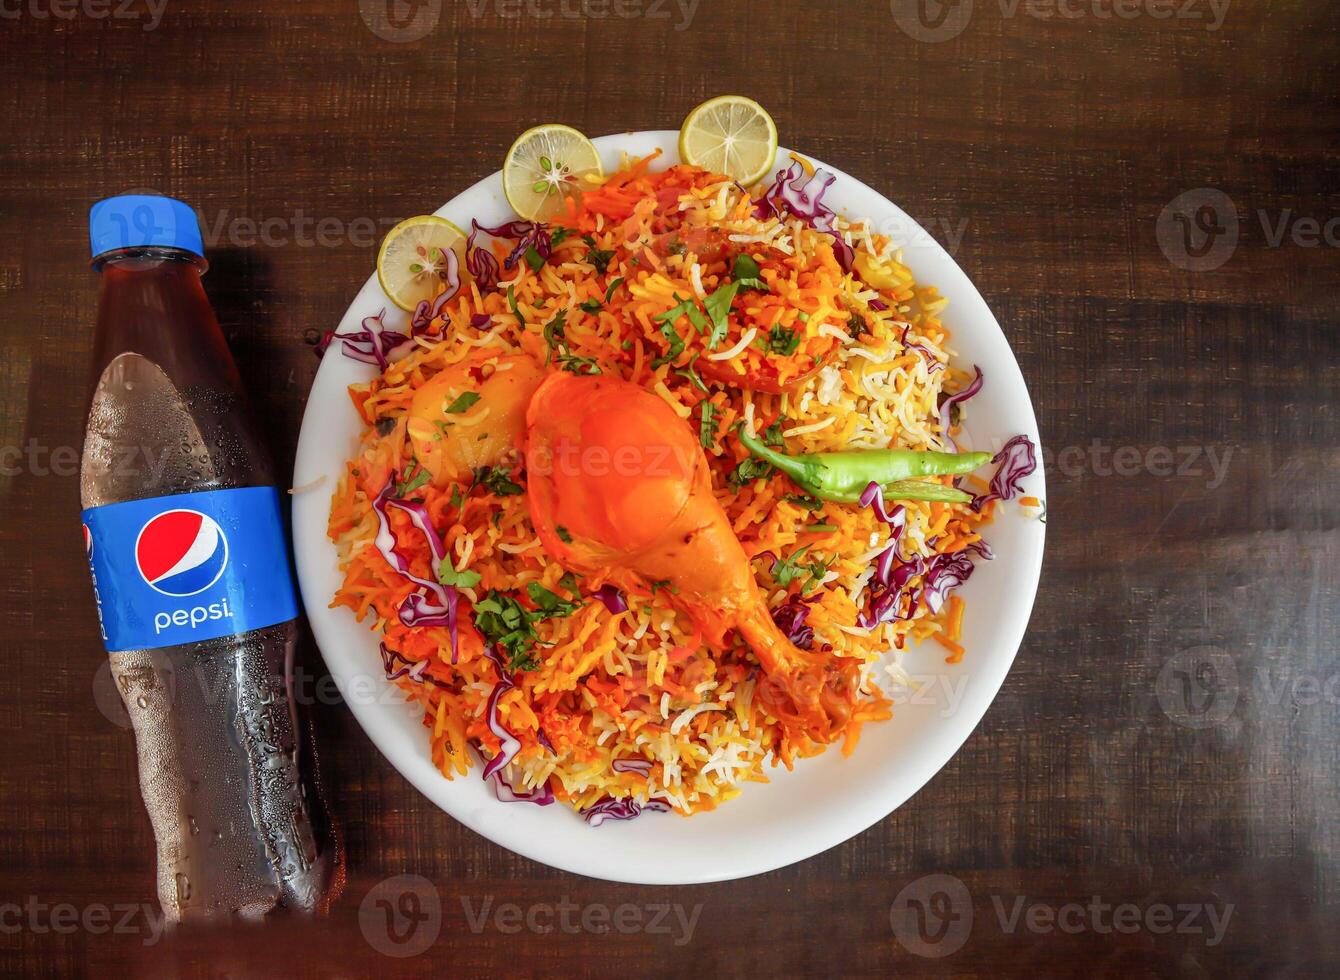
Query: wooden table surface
{"type": "Point", "coordinates": [1147, 196]}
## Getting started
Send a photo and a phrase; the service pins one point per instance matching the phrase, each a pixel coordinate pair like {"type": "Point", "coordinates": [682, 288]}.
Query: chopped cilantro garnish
{"type": "Point", "coordinates": [564, 534]}
{"type": "Point", "coordinates": [718, 308]}
{"type": "Point", "coordinates": [748, 471]}
{"type": "Point", "coordinates": [577, 364]}
{"type": "Point", "coordinates": [612, 287]}
{"type": "Point", "coordinates": [708, 421]}
{"type": "Point", "coordinates": [783, 341]}
{"type": "Point", "coordinates": [412, 480]}
{"type": "Point", "coordinates": [689, 374]}
{"type": "Point", "coordinates": [511, 305]}
{"type": "Point", "coordinates": [559, 235]}
{"type": "Point", "coordinates": [462, 402]}
{"type": "Point", "coordinates": [554, 330]}
{"type": "Point", "coordinates": [819, 528]}
{"type": "Point", "coordinates": [663, 583]}
{"type": "Point", "coordinates": [804, 501]}
{"type": "Point", "coordinates": [447, 575]}
{"type": "Point", "coordinates": [746, 272]}
{"type": "Point", "coordinates": [591, 305]}
{"type": "Point", "coordinates": [457, 498]}
{"type": "Point", "coordinates": [685, 307]}
{"type": "Point", "coordinates": [791, 568]}
{"type": "Point", "coordinates": [772, 435]}
{"type": "Point", "coordinates": [498, 481]}
{"type": "Point", "coordinates": [856, 325]}
{"type": "Point", "coordinates": [597, 257]}
{"type": "Point", "coordinates": [549, 605]}
{"type": "Point", "coordinates": [533, 258]}
{"type": "Point", "coordinates": [505, 623]}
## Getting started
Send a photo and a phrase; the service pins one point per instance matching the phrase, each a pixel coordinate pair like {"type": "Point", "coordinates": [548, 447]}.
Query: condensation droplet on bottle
{"type": "Point", "coordinates": [142, 701]}
{"type": "Point", "coordinates": [195, 827]}
{"type": "Point", "coordinates": [183, 888]}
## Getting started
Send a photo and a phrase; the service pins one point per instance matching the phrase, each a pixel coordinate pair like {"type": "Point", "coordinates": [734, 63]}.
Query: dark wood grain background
{"type": "Point", "coordinates": [1170, 733]}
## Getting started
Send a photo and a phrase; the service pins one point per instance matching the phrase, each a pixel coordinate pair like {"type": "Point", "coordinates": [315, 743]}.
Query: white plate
{"type": "Point", "coordinates": [826, 799]}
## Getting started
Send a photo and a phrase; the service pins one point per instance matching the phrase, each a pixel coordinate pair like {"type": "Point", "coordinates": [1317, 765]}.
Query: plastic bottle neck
{"type": "Point", "coordinates": [144, 258]}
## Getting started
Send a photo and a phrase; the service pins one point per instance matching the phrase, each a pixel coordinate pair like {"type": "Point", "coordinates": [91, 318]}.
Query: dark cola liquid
{"type": "Point", "coordinates": [226, 766]}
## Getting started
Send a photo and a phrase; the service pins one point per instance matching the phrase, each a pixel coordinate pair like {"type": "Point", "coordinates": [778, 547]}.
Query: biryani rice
{"type": "Point", "coordinates": [641, 684]}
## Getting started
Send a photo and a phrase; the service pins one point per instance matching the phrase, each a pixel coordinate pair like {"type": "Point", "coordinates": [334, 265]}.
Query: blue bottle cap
{"type": "Point", "coordinates": [133, 220]}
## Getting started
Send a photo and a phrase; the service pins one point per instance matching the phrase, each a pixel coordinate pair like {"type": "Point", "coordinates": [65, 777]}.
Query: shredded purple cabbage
{"type": "Point", "coordinates": [612, 598]}
{"type": "Point", "coordinates": [483, 264]}
{"type": "Point", "coordinates": [792, 191]}
{"type": "Point", "coordinates": [507, 793]}
{"type": "Point", "coordinates": [1017, 459]}
{"type": "Point", "coordinates": [480, 320]}
{"type": "Point", "coordinates": [790, 618]}
{"type": "Point", "coordinates": [933, 363]}
{"type": "Point", "coordinates": [370, 345]}
{"type": "Point", "coordinates": [397, 665]}
{"type": "Point", "coordinates": [640, 766]}
{"type": "Point", "coordinates": [417, 609]}
{"type": "Point", "coordinates": [619, 809]}
{"type": "Point", "coordinates": [878, 304]}
{"type": "Point", "coordinates": [955, 399]}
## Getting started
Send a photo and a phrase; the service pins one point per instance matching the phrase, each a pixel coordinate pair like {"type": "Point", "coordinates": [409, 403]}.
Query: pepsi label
{"type": "Point", "coordinates": [189, 567]}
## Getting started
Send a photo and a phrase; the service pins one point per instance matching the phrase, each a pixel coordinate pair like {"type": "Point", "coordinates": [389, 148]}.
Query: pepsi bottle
{"type": "Point", "coordinates": [191, 577]}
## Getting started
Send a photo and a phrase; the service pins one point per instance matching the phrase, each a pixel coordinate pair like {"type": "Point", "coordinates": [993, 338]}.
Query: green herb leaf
{"type": "Point", "coordinates": [791, 569]}
{"type": "Point", "coordinates": [412, 480]}
{"type": "Point", "coordinates": [708, 421]}
{"type": "Point", "coordinates": [457, 498]}
{"type": "Point", "coordinates": [549, 605]}
{"type": "Point", "coordinates": [505, 623]}
{"type": "Point", "coordinates": [511, 304]}
{"type": "Point", "coordinates": [498, 481]}
{"type": "Point", "coordinates": [688, 372]}
{"type": "Point", "coordinates": [804, 501]}
{"type": "Point", "coordinates": [597, 257]}
{"type": "Point", "coordinates": [772, 435]}
{"type": "Point", "coordinates": [747, 471]}
{"type": "Point", "coordinates": [609, 293]}
{"type": "Point", "coordinates": [718, 308]}
{"type": "Point", "coordinates": [559, 235]}
{"type": "Point", "coordinates": [447, 575]}
{"type": "Point", "coordinates": [685, 307]}
{"type": "Point", "coordinates": [591, 305]}
{"type": "Point", "coordinates": [745, 267]}
{"type": "Point", "coordinates": [533, 258]}
{"type": "Point", "coordinates": [564, 534]}
{"type": "Point", "coordinates": [462, 402]}
{"type": "Point", "coordinates": [783, 341]}
{"type": "Point", "coordinates": [570, 584]}
{"type": "Point", "coordinates": [577, 364]}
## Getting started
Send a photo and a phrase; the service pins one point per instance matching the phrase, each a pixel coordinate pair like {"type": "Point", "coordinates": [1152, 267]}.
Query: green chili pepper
{"type": "Point", "coordinates": [843, 477]}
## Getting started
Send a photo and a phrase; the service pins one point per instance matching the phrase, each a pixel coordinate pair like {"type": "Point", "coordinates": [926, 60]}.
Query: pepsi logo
{"type": "Point", "coordinates": [181, 552]}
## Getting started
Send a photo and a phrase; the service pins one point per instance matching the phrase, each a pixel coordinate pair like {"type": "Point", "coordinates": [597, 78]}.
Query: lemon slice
{"type": "Point", "coordinates": [545, 165]}
{"type": "Point", "coordinates": [730, 135]}
{"type": "Point", "coordinates": [417, 256]}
